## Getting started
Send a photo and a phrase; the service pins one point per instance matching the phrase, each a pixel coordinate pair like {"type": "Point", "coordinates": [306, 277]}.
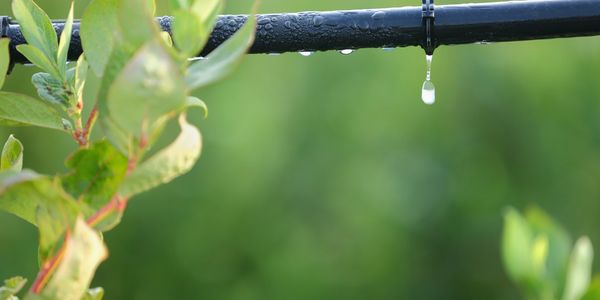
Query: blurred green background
{"type": "Point", "coordinates": [326, 177]}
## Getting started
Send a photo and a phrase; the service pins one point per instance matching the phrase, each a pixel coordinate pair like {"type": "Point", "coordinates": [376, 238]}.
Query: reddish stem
{"type": "Point", "coordinates": [49, 267]}
{"type": "Point", "coordinates": [79, 138]}
{"type": "Point", "coordinates": [82, 134]}
{"type": "Point", "coordinates": [90, 123]}
{"type": "Point", "coordinates": [132, 163]}
{"type": "Point", "coordinates": [116, 204]}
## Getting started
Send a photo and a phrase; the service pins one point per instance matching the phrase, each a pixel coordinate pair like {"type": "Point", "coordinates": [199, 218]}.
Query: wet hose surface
{"type": "Point", "coordinates": [385, 28]}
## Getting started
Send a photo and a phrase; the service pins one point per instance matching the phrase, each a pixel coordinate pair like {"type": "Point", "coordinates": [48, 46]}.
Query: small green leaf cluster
{"type": "Point", "coordinates": [61, 88]}
{"type": "Point", "coordinates": [11, 287]}
{"type": "Point", "coordinates": [541, 259]}
{"type": "Point", "coordinates": [146, 78]}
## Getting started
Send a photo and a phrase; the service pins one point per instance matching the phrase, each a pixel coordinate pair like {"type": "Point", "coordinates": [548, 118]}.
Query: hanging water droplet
{"type": "Point", "coordinates": [306, 53]}
{"type": "Point", "coordinates": [388, 49]}
{"type": "Point", "coordinates": [428, 90]}
{"type": "Point", "coordinates": [346, 51]}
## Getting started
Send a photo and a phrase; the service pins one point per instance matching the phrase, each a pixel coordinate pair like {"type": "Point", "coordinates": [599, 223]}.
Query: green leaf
{"type": "Point", "coordinates": [193, 24]}
{"type": "Point", "coordinates": [559, 247]}
{"type": "Point", "coordinates": [41, 201]}
{"type": "Point", "coordinates": [195, 102]}
{"type": "Point", "coordinates": [4, 60]}
{"type": "Point", "coordinates": [51, 89]}
{"type": "Point", "coordinates": [516, 246]}
{"type": "Point", "coordinates": [580, 269]}
{"type": "Point", "coordinates": [179, 4]}
{"type": "Point", "coordinates": [137, 23]}
{"type": "Point", "coordinates": [148, 88]}
{"type": "Point", "coordinates": [54, 215]}
{"type": "Point", "coordinates": [166, 37]}
{"type": "Point", "coordinates": [535, 251]}
{"type": "Point", "coordinates": [223, 60]}
{"type": "Point", "coordinates": [12, 155]}
{"type": "Point", "coordinates": [98, 27]}
{"type": "Point", "coordinates": [539, 253]}
{"type": "Point", "coordinates": [65, 41]}
{"type": "Point", "coordinates": [115, 134]}
{"type": "Point", "coordinates": [29, 111]}
{"type": "Point", "coordinates": [94, 294]}
{"type": "Point", "coordinates": [36, 27]}
{"type": "Point", "coordinates": [151, 6]}
{"type": "Point", "coordinates": [208, 10]}
{"type": "Point", "coordinates": [158, 128]}
{"type": "Point", "coordinates": [96, 173]}
{"type": "Point", "coordinates": [52, 225]}
{"type": "Point", "coordinates": [188, 33]}
{"type": "Point", "coordinates": [37, 57]}
{"type": "Point", "coordinates": [81, 70]}
{"type": "Point", "coordinates": [22, 193]}
{"type": "Point", "coordinates": [11, 287]}
{"type": "Point", "coordinates": [83, 254]}
{"type": "Point", "coordinates": [168, 164]}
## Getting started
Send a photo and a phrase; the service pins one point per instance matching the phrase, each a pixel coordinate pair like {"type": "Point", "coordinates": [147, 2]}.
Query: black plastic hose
{"type": "Point", "coordinates": [391, 27]}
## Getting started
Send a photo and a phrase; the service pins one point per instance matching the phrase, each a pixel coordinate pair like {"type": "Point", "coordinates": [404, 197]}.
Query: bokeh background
{"type": "Point", "coordinates": [326, 177]}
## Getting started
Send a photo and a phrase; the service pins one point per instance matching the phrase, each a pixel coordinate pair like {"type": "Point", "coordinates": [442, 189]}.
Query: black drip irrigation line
{"type": "Point", "coordinates": [387, 28]}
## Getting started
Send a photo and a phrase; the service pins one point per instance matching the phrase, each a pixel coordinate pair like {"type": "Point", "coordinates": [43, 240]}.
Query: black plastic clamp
{"type": "Point", "coordinates": [4, 23]}
{"type": "Point", "coordinates": [428, 17]}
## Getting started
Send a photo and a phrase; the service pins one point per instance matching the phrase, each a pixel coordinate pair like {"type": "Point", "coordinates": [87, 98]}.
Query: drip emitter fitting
{"type": "Point", "coordinates": [428, 21]}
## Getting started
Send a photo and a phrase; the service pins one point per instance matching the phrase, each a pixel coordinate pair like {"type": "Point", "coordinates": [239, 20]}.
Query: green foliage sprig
{"type": "Point", "coordinates": [540, 258]}
{"type": "Point", "coordinates": [146, 79]}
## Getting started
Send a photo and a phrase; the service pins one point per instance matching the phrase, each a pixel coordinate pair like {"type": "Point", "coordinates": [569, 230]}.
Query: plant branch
{"type": "Point", "coordinates": [82, 134]}
{"type": "Point", "coordinates": [49, 267]}
{"type": "Point", "coordinates": [117, 204]}
{"type": "Point", "coordinates": [89, 125]}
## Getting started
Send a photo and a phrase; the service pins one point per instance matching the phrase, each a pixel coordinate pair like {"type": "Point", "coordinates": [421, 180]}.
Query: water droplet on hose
{"type": "Point", "coordinates": [318, 21]}
{"type": "Point", "coordinates": [378, 15]}
{"type": "Point", "coordinates": [306, 53]}
{"type": "Point", "coordinates": [346, 51]}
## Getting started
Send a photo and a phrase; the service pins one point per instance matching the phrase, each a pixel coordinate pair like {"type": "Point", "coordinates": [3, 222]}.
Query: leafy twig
{"type": "Point", "coordinates": [117, 204]}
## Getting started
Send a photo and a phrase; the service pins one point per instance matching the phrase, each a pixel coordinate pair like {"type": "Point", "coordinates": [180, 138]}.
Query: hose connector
{"type": "Point", "coordinates": [4, 23]}
{"type": "Point", "coordinates": [428, 17]}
